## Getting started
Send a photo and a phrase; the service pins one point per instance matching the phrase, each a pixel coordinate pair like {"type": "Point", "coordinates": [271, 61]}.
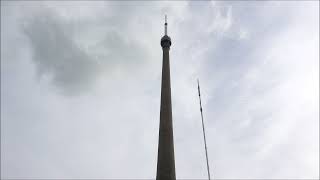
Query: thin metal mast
{"type": "Point", "coordinates": [204, 132]}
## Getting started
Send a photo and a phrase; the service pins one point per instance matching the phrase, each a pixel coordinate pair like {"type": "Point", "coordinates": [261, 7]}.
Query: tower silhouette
{"type": "Point", "coordinates": [166, 164]}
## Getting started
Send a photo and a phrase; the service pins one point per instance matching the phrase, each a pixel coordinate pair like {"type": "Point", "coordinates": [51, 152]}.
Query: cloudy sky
{"type": "Point", "coordinates": [80, 88]}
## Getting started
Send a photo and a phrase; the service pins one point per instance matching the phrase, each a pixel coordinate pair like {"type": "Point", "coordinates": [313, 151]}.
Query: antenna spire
{"type": "Point", "coordinates": [165, 25]}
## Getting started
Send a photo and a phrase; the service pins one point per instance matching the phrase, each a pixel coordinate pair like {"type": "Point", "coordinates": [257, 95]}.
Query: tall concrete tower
{"type": "Point", "coordinates": [165, 165]}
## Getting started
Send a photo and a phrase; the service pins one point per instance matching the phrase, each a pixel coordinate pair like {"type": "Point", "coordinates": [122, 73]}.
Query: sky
{"type": "Point", "coordinates": [80, 88]}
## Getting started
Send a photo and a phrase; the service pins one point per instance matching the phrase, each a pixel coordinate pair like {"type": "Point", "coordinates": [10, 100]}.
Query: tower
{"type": "Point", "coordinates": [166, 164]}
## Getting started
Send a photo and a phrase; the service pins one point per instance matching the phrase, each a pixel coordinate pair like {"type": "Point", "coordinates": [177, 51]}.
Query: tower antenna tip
{"type": "Point", "coordinates": [165, 25]}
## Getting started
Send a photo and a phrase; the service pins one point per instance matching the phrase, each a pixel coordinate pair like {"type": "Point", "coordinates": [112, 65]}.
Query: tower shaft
{"type": "Point", "coordinates": [166, 163]}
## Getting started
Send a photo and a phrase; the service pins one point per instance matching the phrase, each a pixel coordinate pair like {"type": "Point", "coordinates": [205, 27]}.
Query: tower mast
{"type": "Point", "coordinates": [165, 25]}
{"type": "Point", "coordinates": [166, 163]}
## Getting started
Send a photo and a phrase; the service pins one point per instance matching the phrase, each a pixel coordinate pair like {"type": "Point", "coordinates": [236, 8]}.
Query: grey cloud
{"type": "Point", "coordinates": [57, 55]}
{"type": "Point", "coordinates": [72, 64]}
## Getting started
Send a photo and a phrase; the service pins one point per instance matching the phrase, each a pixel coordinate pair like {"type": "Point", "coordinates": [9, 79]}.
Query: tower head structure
{"type": "Point", "coordinates": [165, 40]}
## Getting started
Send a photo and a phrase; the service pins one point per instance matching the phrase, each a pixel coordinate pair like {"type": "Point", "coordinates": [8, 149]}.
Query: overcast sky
{"type": "Point", "coordinates": [80, 88]}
